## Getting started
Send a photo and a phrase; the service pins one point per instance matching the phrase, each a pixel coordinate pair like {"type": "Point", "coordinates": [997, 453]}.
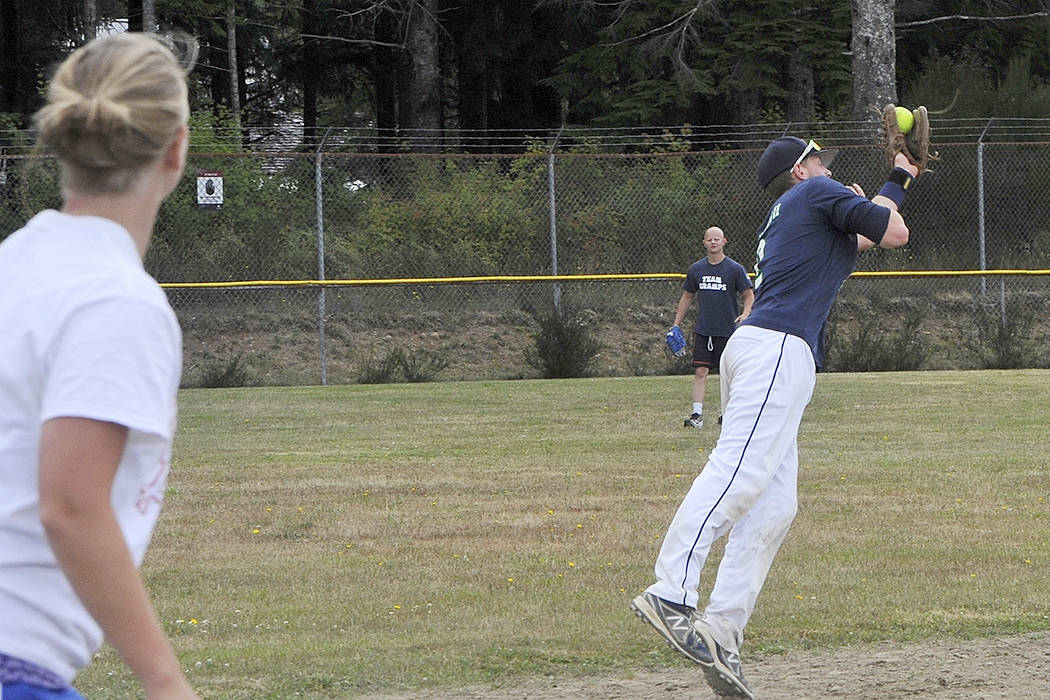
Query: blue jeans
{"type": "Point", "coordinates": [24, 691]}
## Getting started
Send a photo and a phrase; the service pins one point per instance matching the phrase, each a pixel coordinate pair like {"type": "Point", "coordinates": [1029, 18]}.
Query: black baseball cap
{"type": "Point", "coordinates": [784, 152]}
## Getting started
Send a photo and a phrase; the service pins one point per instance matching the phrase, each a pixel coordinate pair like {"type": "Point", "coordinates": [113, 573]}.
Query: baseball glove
{"type": "Point", "coordinates": [915, 145]}
{"type": "Point", "coordinates": [676, 341]}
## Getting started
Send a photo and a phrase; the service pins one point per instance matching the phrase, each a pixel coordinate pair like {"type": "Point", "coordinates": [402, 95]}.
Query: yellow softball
{"type": "Point", "coordinates": [905, 119]}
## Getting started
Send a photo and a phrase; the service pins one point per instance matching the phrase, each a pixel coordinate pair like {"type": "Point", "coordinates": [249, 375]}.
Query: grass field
{"type": "Point", "coordinates": [331, 542]}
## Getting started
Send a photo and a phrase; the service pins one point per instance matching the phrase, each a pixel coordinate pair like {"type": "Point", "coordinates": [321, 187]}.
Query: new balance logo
{"type": "Point", "coordinates": [677, 623]}
{"type": "Point", "coordinates": [674, 622]}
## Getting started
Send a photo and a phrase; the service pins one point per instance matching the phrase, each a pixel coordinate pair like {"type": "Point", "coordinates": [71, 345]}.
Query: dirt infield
{"type": "Point", "coordinates": [1011, 667]}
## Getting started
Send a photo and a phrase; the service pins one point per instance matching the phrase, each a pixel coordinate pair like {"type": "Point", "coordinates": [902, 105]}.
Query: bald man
{"type": "Point", "coordinates": [717, 282]}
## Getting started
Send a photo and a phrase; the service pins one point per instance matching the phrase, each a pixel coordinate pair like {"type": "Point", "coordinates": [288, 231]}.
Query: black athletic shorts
{"type": "Point", "coordinates": [707, 350]}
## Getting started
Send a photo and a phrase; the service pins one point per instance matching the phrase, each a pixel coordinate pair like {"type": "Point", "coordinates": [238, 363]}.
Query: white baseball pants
{"type": "Point", "coordinates": [748, 488]}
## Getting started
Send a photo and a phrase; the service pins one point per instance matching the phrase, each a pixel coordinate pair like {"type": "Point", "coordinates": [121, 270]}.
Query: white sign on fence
{"type": "Point", "coordinates": [209, 189]}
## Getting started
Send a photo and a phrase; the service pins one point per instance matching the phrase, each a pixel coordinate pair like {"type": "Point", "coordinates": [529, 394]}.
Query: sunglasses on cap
{"type": "Point", "coordinates": [809, 150]}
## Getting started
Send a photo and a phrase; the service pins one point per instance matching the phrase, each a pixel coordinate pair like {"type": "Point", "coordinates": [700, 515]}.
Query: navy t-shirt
{"type": "Point", "coordinates": [806, 250]}
{"type": "Point", "coordinates": [716, 288]}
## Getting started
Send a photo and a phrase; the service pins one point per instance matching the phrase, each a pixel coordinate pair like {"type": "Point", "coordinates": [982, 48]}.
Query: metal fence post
{"type": "Point", "coordinates": [553, 219]}
{"type": "Point", "coordinates": [321, 310]}
{"type": "Point", "coordinates": [980, 204]}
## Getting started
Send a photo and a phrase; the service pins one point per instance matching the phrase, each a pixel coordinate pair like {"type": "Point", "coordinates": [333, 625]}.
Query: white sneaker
{"type": "Point", "coordinates": [673, 621]}
{"type": "Point", "coordinates": [724, 676]}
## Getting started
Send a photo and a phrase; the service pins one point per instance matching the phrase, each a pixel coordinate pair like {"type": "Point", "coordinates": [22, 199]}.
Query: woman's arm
{"type": "Point", "coordinates": [78, 462]}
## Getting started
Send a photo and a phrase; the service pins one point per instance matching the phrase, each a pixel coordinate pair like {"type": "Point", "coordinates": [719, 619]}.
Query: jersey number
{"type": "Point", "coordinates": [760, 252]}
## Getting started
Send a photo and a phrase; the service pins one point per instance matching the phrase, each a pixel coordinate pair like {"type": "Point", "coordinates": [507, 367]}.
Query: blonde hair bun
{"type": "Point", "coordinates": [114, 106]}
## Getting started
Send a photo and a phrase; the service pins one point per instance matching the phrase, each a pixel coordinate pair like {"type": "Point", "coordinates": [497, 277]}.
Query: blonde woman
{"type": "Point", "coordinates": [90, 360]}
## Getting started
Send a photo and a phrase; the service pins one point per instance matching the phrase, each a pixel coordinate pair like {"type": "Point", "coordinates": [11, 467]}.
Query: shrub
{"type": "Point", "coordinates": [874, 345]}
{"type": "Point", "coordinates": [1001, 340]}
{"type": "Point", "coordinates": [681, 365]}
{"type": "Point", "coordinates": [651, 358]}
{"type": "Point", "coordinates": [563, 346]}
{"type": "Point", "coordinates": [222, 374]}
{"type": "Point", "coordinates": [379, 370]}
{"type": "Point", "coordinates": [397, 365]}
{"type": "Point", "coordinates": [422, 365]}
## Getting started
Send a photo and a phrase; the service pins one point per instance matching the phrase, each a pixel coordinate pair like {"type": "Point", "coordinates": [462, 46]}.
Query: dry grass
{"type": "Point", "coordinates": [331, 542]}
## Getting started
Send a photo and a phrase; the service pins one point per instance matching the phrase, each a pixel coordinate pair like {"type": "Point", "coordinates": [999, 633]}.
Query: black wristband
{"type": "Point", "coordinates": [900, 176]}
{"type": "Point", "coordinates": [896, 186]}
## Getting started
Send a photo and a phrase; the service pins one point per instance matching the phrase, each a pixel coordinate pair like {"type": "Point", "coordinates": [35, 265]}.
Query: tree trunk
{"type": "Point", "coordinates": [9, 63]}
{"type": "Point", "coordinates": [135, 15]}
{"type": "Point", "coordinates": [90, 19]}
{"type": "Point", "coordinates": [801, 105]}
{"type": "Point", "coordinates": [744, 105]}
{"type": "Point", "coordinates": [513, 79]}
{"type": "Point", "coordinates": [874, 57]}
{"type": "Point", "coordinates": [424, 90]}
{"type": "Point", "coordinates": [471, 26]}
{"type": "Point", "coordinates": [231, 60]}
{"type": "Point", "coordinates": [310, 61]}
{"type": "Point", "coordinates": [149, 15]}
{"type": "Point", "coordinates": [384, 76]}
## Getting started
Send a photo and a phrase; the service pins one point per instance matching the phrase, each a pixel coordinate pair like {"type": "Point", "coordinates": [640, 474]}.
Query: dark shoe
{"type": "Point", "coordinates": [674, 622]}
{"type": "Point", "coordinates": [724, 675]}
{"type": "Point", "coordinates": [694, 421]}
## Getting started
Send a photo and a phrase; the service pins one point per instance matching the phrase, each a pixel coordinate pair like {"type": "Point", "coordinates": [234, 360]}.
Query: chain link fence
{"type": "Point", "coordinates": [319, 264]}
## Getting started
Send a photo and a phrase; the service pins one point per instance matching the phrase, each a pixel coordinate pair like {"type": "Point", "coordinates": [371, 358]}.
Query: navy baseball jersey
{"type": "Point", "coordinates": [805, 252]}
{"type": "Point", "coordinates": [716, 288]}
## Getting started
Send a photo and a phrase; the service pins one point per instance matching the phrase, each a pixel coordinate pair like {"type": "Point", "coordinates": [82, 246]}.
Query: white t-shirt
{"type": "Point", "coordinates": [84, 332]}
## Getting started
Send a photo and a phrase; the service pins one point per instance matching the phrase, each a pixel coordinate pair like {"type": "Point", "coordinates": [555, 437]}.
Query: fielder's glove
{"type": "Point", "coordinates": [915, 145]}
{"type": "Point", "coordinates": [676, 341]}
